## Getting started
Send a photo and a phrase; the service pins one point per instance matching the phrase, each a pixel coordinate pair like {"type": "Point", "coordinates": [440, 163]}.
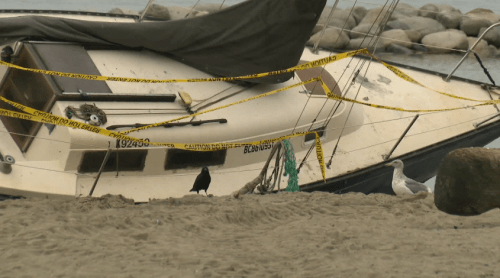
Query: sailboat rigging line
{"type": "Point", "coordinates": [355, 73]}
{"type": "Point", "coordinates": [223, 98]}
{"type": "Point", "coordinates": [337, 103]}
{"type": "Point", "coordinates": [192, 8]}
{"type": "Point", "coordinates": [131, 114]}
{"type": "Point", "coordinates": [359, 88]}
{"type": "Point", "coordinates": [202, 101]}
{"type": "Point", "coordinates": [316, 44]}
{"type": "Point", "coordinates": [155, 109]}
{"type": "Point", "coordinates": [348, 115]}
{"type": "Point", "coordinates": [411, 135]}
{"type": "Point", "coordinates": [222, 5]}
{"type": "Point", "coordinates": [153, 147]}
{"type": "Point", "coordinates": [396, 40]}
{"type": "Point", "coordinates": [314, 50]}
{"type": "Point", "coordinates": [349, 84]}
{"type": "Point", "coordinates": [402, 8]}
{"type": "Point", "coordinates": [45, 169]}
{"type": "Point", "coordinates": [258, 169]}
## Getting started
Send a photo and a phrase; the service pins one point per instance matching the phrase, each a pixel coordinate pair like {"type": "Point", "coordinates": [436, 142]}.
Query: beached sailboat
{"type": "Point", "coordinates": [62, 151]}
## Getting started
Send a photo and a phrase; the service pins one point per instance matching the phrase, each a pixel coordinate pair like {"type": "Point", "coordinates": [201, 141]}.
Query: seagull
{"type": "Point", "coordinates": [202, 181]}
{"type": "Point", "coordinates": [403, 185]}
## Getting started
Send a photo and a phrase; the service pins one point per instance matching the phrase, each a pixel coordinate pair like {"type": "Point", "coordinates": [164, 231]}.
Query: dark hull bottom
{"type": "Point", "coordinates": [420, 165]}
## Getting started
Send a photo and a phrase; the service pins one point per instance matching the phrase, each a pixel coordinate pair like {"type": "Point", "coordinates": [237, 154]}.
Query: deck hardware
{"type": "Point", "coordinates": [186, 101]}
{"type": "Point", "coordinates": [476, 125]}
{"type": "Point", "coordinates": [447, 78]}
{"type": "Point", "coordinates": [386, 157]}
{"type": "Point", "coordinates": [7, 54]}
{"type": "Point", "coordinates": [145, 10]}
{"type": "Point", "coordinates": [100, 171]}
{"type": "Point", "coordinates": [6, 163]}
{"type": "Point", "coordinates": [87, 112]}
{"type": "Point", "coordinates": [316, 44]}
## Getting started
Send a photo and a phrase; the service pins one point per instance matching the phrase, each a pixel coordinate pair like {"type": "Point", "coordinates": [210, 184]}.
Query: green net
{"type": "Point", "coordinates": [290, 169]}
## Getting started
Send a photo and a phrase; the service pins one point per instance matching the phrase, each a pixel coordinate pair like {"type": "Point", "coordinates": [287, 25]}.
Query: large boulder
{"type": "Point", "coordinates": [398, 49]}
{"type": "Point", "coordinates": [449, 19]}
{"type": "Point", "coordinates": [358, 13]}
{"type": "Point", "coordinates": [340, 18]}
{"type": "Point", "coordinates": [396, 36]}
{"type": "Point", "coordinates": [424, 25]}
{"type": "Point", "coordinates": [396, 24]}
{"type": "Point", "coordinates": [122, 11]}
{"type": "Point", "coordinates": [211, 8]}
{"type": "Point", "coordinates": [441, 42]}
{"type": "Point", "coordinates": [376, 15]}
{"type": "Point", "coordinates": [476, 19]}
{"type": "Point", "coordinates": [492, 37]}
{"type": "Point", "coordinates": [429, 10]}
{"type": "Point", "coordinates": [468, 181]}
{"type": "Point", "coordinates": [413, 35]}
{"type": "Point", "coordinates": [360, 43]}
{"type": "Point", "coordinates": [181, 12]}
{"type": "Point", "coordinates": [158, 11]}
{"type": "Point", "coordinates": [333, 38]}
{"type": "Point", "coordinates": [447, 8]}
{"type": "Point", "coordinates": [484, 14]}
{"type": "Point", "coordinates": [482, 49]}
{"type": "Point", "coordinates": [406, 9]}
{"type": "Point", "coordinates": [362, 30]}
{"type": "Point", "coordinates": [471, 26]}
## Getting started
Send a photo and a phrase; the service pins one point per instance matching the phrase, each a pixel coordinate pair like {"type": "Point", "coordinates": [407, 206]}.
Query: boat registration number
{"type": "Point", "coordinates": [121, 144]}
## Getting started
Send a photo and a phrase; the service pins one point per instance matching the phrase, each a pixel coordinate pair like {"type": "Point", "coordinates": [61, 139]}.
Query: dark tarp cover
{"type": "Point", "coordinates": [251, 37]}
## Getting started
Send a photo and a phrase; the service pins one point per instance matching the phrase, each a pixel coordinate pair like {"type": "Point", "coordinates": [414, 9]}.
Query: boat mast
{"type": "Point", "coordinates": [150, 3]}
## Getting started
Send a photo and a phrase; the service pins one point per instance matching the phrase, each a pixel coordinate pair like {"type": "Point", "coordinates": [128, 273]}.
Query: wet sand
{"type": "Point", "coordinates": [281, 235]}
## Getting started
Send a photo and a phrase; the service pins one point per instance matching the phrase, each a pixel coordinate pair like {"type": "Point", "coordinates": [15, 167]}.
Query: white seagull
{"type": "Point", "coordinates": [403, 185]}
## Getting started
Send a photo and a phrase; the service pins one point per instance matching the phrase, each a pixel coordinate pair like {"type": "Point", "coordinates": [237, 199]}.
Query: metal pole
{"type": "Point", "coordinates": [470, 50]}
{"type": "Point", "coordinates": [100, 171]}
{"type": "Point", "coordinates": [145, 10]}
{"type": "Point", "coordinates": [479, 124]}
{"type": "Point", "coordinates": [385, 157]}
{"type": "Point", "coordinates": [315, 48]}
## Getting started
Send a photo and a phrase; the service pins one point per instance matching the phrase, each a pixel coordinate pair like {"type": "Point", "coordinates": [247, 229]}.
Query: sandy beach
{"type": "Point", "coordinates": [281, 235]}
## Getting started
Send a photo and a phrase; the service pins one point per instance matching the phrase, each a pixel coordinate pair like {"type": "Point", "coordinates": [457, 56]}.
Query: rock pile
{"type": "Point", "coordinates": [429, 29]}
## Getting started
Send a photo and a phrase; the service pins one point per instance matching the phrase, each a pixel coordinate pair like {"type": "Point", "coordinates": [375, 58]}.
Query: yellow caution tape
{"type": "Point", "coordinates": [335, 97]}
{"type": "Point", "coordinates": [313, 64]}
{"type": "Point", "coordinates": [44, 117]}
{"type": "Point", "coordinates": [224, 106]}
{"type": "Point", "coordinates": [406, 77]}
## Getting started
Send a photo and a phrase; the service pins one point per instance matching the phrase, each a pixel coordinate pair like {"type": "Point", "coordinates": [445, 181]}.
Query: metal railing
{"type": "Point", "coordinates": [447, 79]}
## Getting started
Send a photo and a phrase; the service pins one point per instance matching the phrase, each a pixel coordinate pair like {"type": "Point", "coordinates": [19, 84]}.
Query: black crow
{"type": "Point", "coordinates": [202, 181]}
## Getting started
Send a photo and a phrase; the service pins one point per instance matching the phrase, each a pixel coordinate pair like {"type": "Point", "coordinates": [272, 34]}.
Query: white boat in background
{"type": "Point", "coordinates": [41, 159]}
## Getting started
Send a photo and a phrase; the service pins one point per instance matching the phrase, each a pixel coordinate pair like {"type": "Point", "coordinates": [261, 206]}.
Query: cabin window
{"type": "Point", "coordinates": [312, 137]}
{"type": "Point", "coordinates": [121, 160]}
{"type": "Point", "coordinates": [180, 159]}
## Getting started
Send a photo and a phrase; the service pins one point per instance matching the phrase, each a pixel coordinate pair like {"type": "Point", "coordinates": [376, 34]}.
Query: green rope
{"type": "Point", "coordinates": [290, 169]}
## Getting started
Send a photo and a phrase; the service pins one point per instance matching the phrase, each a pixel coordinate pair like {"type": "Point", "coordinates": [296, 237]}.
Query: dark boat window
{"type": "Point", "coordinates": [121, 160]}
{"type": "Point", "coordinates": [180, 159]}
{"type": "Point", "coordinates": [312, 137]}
